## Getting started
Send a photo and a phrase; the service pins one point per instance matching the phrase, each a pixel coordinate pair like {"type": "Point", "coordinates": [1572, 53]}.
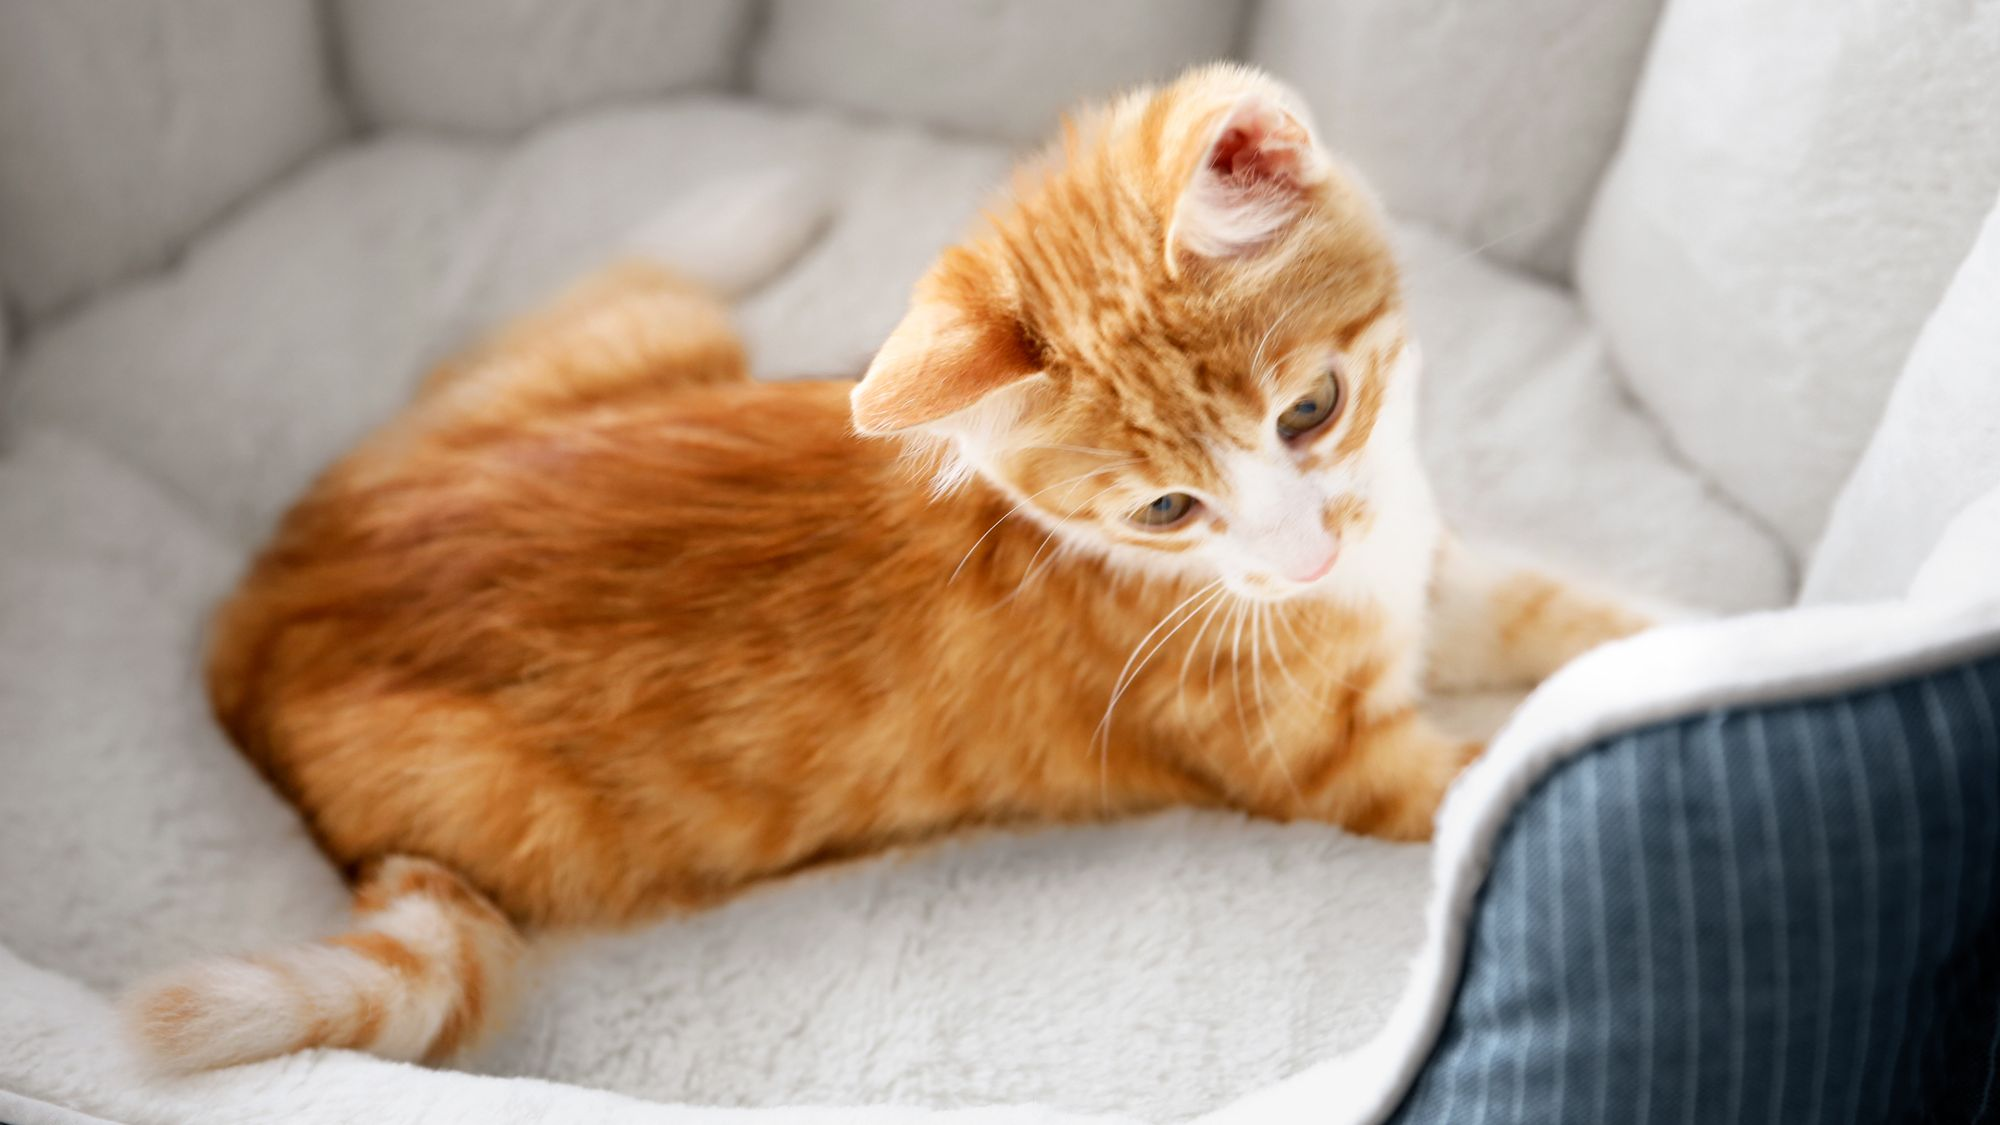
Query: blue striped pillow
{"type": "Point", "coordinates": [1782, 913]}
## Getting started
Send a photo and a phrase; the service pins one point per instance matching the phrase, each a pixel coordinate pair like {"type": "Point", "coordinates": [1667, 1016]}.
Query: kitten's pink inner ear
{"type": "Point", "coordinates": [1253, 180]}
{"type": "Point", "coordinates": [938, 361]}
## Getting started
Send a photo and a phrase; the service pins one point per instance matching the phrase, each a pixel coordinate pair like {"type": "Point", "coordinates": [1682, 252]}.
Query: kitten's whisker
{"type": "Point", "coordinates": [1263, 708]}
{"type": "Point", "coordinates": [1217, 650]}
{"type": "Point", "coordinates": [1194, 646]}
{"type": "Point", "coordinates": [1257, 660]}
{"type": "Point", "coordinates": [1024, 503]}
{"type": "Point", "coordinates": [1129, 674]}
{"type": "Point", "coordinates": [1136, 664]}
{"type": "Point", "coordinates": [1081, 449]}
{"type": "Point", "coordinates": [1075, 481]}
{"type": "Point", "coordinates": [1257, 359]}
{"type": "Point", "coordinates": [1028, 572]}
{"type": "Point", "coordinates": [1236, 670]}
{"type": "Point", "coordinates": [1278, 657]}
{"type": "Point", "coordinates": [1006, 515]}
{"type": "Point", "coordinates": [1259, 623]}
{"type": "Point", "coordinates": [1257, 670]}
{"type": "Point", "coordinates": [1312, 657]}
{"type": "Point", "coordinates": [1455, 259]}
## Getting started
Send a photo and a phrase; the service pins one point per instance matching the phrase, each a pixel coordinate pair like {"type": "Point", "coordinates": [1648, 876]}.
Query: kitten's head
{"type": "Point", "coordinates": [1178, 342]}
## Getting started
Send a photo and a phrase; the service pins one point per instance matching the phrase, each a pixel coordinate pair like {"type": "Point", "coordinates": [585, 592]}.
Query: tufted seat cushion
{"type": "Point", "coordinates": [498, 68]}
{"type": "Point", "coordinates": [126, 129]}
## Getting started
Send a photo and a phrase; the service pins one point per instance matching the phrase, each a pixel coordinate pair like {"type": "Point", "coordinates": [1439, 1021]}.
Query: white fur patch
{"type": "Point", "coordinates": [1390, 566]}
{"type": "Point", "coordinates": [1275, 525]}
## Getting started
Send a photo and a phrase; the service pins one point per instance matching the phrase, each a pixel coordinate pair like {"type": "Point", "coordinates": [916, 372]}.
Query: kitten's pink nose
{"type": "Point", "coordinates": [1319, 570]}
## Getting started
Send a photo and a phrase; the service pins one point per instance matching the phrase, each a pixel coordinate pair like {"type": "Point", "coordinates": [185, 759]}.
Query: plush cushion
{"type": "Point", "coordinates": [1004, 68]}
{"type": "Point", "coordinates": [1773, 913]}
{"type": "Point", "coordinates": [122, 138]}
{"type": "Point", "coordinates": [106, 743]}
{"type": "Point", "coordinates": [1531, 444]}
{"type": "Point", "coordinates": [1960, 568]}
{"type": "Point", "coordinates": [487, 67]}
{"type": "Point", "coordinates": [340, 289]}
{"type": "Point", "coordinates": [1491, 121]}
{"type": "Point", "coordinates": [900, 198]}
{"type": "Point", "coordinates": [1798, 181]}
{"type": "Point", "coordinates": [326, 291]}
{"type": "Point", "coordinates": [577, 193]}
{"type": "Point", "coordinates": [1937, 447]}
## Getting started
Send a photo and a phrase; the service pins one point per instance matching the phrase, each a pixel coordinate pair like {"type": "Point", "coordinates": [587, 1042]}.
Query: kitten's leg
{"type": "Point", "coordinates": [1388, 780]}
{"type": "Point", "coordinates": [1497, 626]}
{"type": "Point", "coordinates": [633, 322]}
{"type": "Point", "coordinates": [1492, 626]}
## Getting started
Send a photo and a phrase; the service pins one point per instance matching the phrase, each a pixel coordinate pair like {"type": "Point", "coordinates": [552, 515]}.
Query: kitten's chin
{"type": "Point", "coordinates": [1272, 590]}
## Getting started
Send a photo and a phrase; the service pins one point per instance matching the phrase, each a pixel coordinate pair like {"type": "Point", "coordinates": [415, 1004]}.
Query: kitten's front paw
{"type": "Point", "coordinates": [1544, 622]}
{"type": "Point", "coordinates": [1413, 818]}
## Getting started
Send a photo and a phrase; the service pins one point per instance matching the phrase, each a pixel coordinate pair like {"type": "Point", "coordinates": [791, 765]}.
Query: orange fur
{"type": "Point", "coordinates": [605, 629]}
{"type": "Point", "coordinates": [1505, 627]}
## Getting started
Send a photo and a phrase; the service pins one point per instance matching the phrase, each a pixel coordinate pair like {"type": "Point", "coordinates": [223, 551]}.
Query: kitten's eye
{"type": "Point", "coordinates": [1165, 512]}
{"type": "Point", "coordinates": [1313, 411]}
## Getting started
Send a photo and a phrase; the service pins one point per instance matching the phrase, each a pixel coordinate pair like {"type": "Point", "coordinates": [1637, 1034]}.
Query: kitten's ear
{"type": "Point", "coordinates": [939, 360]}
{"type": "Point", "coordinates": [1255, 175]}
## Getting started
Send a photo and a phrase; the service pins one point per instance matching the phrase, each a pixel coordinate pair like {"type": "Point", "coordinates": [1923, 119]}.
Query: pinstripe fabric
{"type": "Point", "coordinates": [1788, 913]}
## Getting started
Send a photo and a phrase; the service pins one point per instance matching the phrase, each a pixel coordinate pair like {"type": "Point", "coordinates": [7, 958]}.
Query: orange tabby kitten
{"type": "Point", "coordinates": [599, 628]}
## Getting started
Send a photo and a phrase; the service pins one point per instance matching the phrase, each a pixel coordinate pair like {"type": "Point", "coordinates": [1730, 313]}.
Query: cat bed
{"type": "Point", "coordinates": [192, 357]}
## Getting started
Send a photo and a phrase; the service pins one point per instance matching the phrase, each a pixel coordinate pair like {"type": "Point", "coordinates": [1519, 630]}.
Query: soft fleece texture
{"type": "Point", "coordinates": [999, 68]}
{"type": "Point", "coordinates": [1506, 152]}
{"type": "Point", "coordinates": [1937, 448]}
{"type": "Point", "coordinates": [1798, 181]}
{"type": "Point", "coordinates": [501, 66]}
{"type": "Point", "coordinates": [1961, 566]}
{"type": "Point", "coordinates": [114, 157]}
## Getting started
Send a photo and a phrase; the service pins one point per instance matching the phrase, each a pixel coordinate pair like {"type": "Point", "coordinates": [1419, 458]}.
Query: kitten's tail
{"type": "Point", "coordinates": [427, 967]}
